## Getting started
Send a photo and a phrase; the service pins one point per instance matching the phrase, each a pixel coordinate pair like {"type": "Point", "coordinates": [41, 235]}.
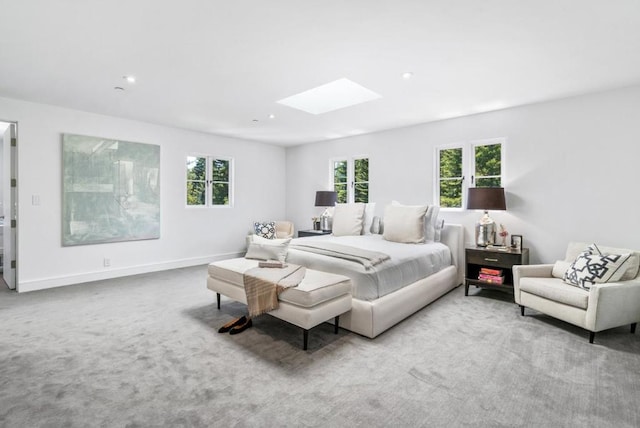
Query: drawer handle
{"type": "Point", "coordinates": [490, 260]}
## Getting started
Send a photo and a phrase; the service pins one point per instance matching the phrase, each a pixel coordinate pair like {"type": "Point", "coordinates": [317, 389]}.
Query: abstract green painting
{"type": "Point", "coordinates": [110, 190]}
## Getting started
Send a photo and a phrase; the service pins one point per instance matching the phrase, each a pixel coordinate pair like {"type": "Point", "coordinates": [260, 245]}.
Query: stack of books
{"type": "Point", "coordinates": [492, 276]}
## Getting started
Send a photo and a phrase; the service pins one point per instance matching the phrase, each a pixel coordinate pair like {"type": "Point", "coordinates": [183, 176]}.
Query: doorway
{"type": "Point", "coordinates": [8, 201]}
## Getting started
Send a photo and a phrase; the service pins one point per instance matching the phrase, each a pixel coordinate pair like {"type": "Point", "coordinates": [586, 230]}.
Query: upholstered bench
{"type": "Point", "coordinates": [318, 298]}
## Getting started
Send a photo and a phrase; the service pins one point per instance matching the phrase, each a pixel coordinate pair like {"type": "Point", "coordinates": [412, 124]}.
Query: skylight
{"type": "Point", "coordinates": [332, 96]}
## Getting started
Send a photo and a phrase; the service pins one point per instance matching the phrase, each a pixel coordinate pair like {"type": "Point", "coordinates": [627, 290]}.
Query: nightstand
{"type": "Point", "coordinates": [492, 259]}
{"type": "Point", "coordinates": [306, 233]}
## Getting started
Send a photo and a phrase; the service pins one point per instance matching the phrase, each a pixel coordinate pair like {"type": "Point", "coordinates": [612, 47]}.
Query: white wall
{"type": "Point", "coordinates": [572, 170]}
{"type": "Point", "coordinates": [189, 236]}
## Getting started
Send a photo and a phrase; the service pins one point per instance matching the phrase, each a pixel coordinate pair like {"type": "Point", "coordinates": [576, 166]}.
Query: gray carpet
{"type": "Point", "coordinates": [143, 351]}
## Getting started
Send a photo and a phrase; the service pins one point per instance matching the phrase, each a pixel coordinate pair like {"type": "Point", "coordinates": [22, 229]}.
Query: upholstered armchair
{"type": "Point", "coordinates": [284, 229]}
{"type": "Point", "coordinates": [601, 307]}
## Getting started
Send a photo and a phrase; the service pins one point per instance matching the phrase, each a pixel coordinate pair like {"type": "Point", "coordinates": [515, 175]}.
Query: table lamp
{"type": "Point", "coordinates": [486, 198]}
{"type": "Point", "coordinates": [325, 198]}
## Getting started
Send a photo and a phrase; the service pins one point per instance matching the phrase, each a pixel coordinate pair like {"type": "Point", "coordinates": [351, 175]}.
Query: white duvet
{"type": "Point", "coordinates": [408, 263]}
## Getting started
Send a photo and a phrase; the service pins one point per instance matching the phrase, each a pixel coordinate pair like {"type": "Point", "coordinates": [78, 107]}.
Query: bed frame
{"type": "Point", "coordinates": [370, 318]}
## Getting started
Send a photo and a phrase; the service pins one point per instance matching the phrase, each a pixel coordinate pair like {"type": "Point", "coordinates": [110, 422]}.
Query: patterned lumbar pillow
{"type": "Point", "coordinates": [265, 229]}
{"type": "Point", "coordinates": [593, 267]}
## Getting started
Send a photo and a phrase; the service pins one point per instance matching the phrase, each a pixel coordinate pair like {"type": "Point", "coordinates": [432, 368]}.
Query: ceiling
{"type": "Point", "coordinates": [221, 66]}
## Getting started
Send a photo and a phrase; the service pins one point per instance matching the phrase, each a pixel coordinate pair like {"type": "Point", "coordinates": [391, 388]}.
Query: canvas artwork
{"type": "Point", "coordinates": [110, 190]}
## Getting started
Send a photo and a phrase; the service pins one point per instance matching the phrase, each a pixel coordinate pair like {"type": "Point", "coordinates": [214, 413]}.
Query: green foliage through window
{"type": "Point", "coordinates": [340, 180]}
{"type": "Point", "coordinates": [361, 180]}
{"type": "Point", "coordinates": [488, 164]}
{"type": "Point", "coordinates": [486, 171]}
{"type": "Point", "coordinates": [214, 181]}
{"type": "Point", "coordinates": [451, 177]}
{"type": "Point", "coordinates": [196, 180]}
{"type": "Point", "coordinates": [351, 176]}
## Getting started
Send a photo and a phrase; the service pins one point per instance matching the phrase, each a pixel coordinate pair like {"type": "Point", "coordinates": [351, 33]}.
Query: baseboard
{"type": "Point", "coordinates": [60, 281]}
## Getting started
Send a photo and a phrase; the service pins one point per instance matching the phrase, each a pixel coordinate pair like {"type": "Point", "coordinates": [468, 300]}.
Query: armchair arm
{"type": "Point", "coordinates": [613, 304]}
{"type": "Point", "coordinates": [520, 271]}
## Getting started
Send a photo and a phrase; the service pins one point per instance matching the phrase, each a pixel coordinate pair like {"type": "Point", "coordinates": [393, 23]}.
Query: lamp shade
{"type": "Point", "coordinates": [326, 198]}
{"type": "Point", "coordinates": [486, 198]}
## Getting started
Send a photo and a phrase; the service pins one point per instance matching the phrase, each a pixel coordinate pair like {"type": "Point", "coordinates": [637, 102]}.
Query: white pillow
{"type": "Point", "coordinates": [348, 219]}
{"type": "Point", "coordinates": [404, 223]}
{"type": "Point", "coordinates": [369, 210]}
{"type": "Point", "coordinates": [267, 249]}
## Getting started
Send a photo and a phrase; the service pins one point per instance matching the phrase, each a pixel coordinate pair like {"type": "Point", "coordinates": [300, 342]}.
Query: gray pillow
{"type": "Point", "coordinates": [431, 218]}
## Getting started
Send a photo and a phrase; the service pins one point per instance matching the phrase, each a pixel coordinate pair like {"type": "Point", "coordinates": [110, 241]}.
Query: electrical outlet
{"type": "Point", "coordinates": [107, 262]}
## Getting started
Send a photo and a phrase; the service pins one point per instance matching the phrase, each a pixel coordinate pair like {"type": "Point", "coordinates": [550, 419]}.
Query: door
{"type": "Point", "coordinates": [9, 206]}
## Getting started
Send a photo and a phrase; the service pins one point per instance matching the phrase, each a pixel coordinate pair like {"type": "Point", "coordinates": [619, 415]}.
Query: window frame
{"type": "Point", "coordinates": [209, 181]}
{"type": "Point", "coordinates": [468, 166]}
{"type": "Point", "coordinates": [351, 171]}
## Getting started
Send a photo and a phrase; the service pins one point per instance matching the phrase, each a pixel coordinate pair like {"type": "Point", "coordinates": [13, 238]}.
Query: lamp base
{"type": "Point", "coordinates": [485, 231]}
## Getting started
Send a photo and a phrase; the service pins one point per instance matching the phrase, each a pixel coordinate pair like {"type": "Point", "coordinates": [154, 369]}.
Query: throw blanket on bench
{"type": "Point", "coordinates": [263, 285]}
{"type": "Point", "coordinates": [366, 258]}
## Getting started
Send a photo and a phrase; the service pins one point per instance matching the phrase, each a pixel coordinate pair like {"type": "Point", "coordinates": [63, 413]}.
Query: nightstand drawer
{"type": "Point", "coordinates": [492, 258]}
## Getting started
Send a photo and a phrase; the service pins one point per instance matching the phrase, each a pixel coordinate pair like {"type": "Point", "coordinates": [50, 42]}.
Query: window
{"type": "Point", "coordinates": [209, 181]}
{"type": "Point", "coordinates": [350, 179]}
{"type": "Point", "coordinates": [484, 169]}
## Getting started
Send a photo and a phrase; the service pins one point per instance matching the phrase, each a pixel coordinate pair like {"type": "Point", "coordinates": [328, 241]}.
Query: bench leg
{"type": "Point", "coordinates": [305, 339]}
{"type": "Point", "coordinates": [633, 327]}
{"type": "Point", "coordinates": [218, 299]}
{"type": "Point", "coordinates": [592, 336]}
{"type": "Point", "coordinates": [336, 321]}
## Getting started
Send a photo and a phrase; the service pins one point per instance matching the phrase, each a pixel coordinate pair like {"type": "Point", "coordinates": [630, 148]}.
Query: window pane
{"type": "Point", "coordinates": [362, 192]}
{"type": "Point", "coordinates": [341, 189]}
{"type": "Point", "coordinates": [196, 168]}
{"type": "Point", "coordinates": [488, 160]}
{"type": "Point", "coordinates": [340, 172]}
{"type": "Point", "coordinates": [451, 163]}
{"type": "Point", "coordinates": [220, 194]}
{"type": "Point", "coordinates": [451, 193]}
{"type": "Point", "coordinates": [488, 182]}
{"type": "Point", "coordinates": [361, 167]}
{"type": "Point", "coordinates": [220, 170]}
{"type": "Point", "coordinates": [196, 191]}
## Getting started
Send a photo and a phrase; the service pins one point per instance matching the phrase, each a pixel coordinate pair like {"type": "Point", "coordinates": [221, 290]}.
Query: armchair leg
{"type": "Point", "coordinates": [521, 310]}
{"type": "Point", "coordinates": [218, 299]}
{"type": "Point", "coordinates": [633, 327]}
{"type": "Point", "coordinates": [592, 336]}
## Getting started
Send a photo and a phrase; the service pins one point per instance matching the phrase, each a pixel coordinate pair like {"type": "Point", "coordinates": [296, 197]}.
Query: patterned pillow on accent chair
{"type": "Point", "coordinates": [265, 229]}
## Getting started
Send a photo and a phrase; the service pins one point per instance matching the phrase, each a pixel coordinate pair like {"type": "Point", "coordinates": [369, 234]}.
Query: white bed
{"type": "Point", "coordinates": [416, 275]}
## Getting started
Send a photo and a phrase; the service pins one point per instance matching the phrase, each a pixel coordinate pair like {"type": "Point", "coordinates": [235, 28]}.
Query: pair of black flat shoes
{"type": "Point", "coordinates": [236, 326]}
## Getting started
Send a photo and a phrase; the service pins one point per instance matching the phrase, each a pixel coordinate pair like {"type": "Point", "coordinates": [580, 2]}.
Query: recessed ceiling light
{"type": "Point", "coordinates": [272, 116]}
{"type": "Point", "coordinates": [407, 75]}
{"type": "Point", "coordinates": [129, 79]}
{"type": "Point", "coordinates": [332, 96]}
